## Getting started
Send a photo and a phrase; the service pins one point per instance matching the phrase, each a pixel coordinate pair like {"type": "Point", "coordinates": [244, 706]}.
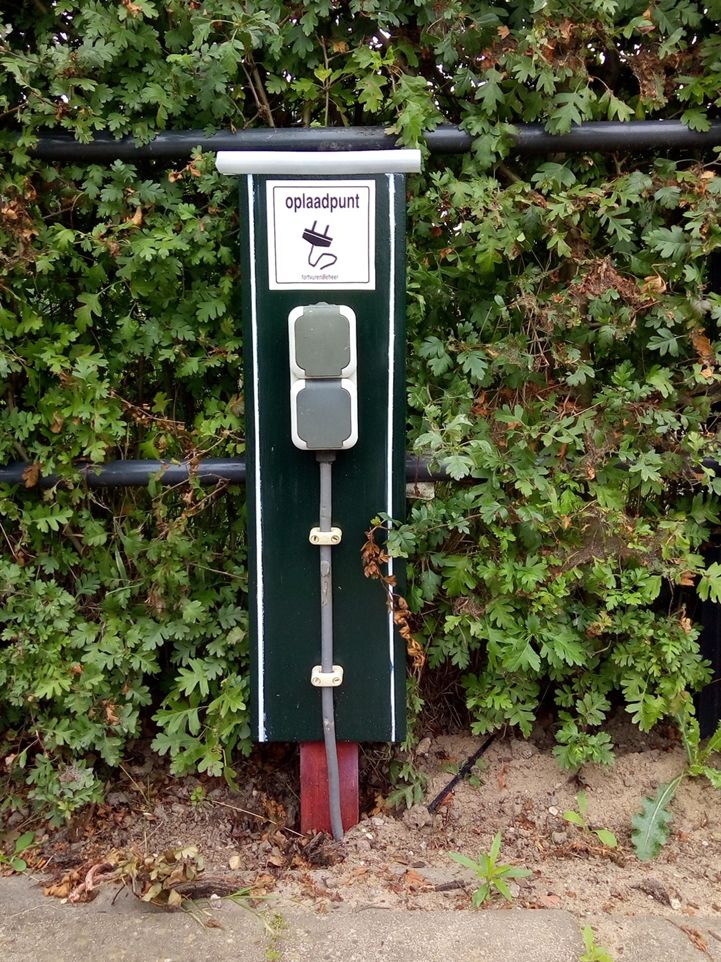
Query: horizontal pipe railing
{"type": "Point", "coordinates": [119, 474]}
{"type": "Point", "coordinates": [607, 136]}
{"type": "Point", "coordinates": [604, 136]}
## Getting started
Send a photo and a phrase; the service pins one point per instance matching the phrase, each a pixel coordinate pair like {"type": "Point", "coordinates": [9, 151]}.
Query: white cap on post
{"type": "Point", "coordinates": [303, 163]}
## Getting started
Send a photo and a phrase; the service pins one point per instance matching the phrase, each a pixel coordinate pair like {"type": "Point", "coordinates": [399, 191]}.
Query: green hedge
{"type": "Point", "coordinates": [563, 361]}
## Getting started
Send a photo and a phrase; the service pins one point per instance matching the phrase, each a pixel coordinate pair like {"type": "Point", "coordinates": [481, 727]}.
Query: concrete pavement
{"type": "Point", "coordinates": [119, 928]}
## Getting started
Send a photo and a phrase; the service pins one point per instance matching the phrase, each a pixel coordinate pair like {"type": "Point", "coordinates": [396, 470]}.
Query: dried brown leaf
{"type": "Point", "coordinates": [416, 882]}
{"type": "Point", "coordinates": [175, 899]}
{"type": "Point", "coordinates": [653, 285]}
{"type": "Point", "coordinates": [31, 474]}
{"type": "Point", "coordinates": [703, 347]}
{"type": "Point", "coordinates": [696, 939]}
{"type": "Point", "coordinates": [59, 890]}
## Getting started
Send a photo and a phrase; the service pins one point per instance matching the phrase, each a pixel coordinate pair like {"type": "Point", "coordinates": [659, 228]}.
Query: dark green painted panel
{"type": "Point", "coordinates": [283, 491]}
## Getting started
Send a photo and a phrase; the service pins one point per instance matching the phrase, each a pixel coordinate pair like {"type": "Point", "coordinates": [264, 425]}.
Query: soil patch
{"type": "Point", "coordinates": [247, 837]}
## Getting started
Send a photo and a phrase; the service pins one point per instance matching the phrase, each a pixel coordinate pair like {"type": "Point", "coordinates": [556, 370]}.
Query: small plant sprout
{"type": "Point", "coordinates": [594, 952]}
{"type": "Point", "coordinates": [494, 877]}
{"type": "Point", "coordinates": [578, 817]}
{"type": "Point", "coordinates": [198, 796]}
{"type": "Point", "coordinates": [14, 859]}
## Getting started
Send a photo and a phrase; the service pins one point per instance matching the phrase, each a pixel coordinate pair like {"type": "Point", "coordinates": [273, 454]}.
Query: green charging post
{"type": "Point", "coordinates": [323, 258]}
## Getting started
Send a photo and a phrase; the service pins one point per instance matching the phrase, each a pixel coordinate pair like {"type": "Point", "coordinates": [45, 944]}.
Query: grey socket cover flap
{"type": "Point", "coordinates": [324, 415]}
{"type": "Point", "coordinates": [322, 341]}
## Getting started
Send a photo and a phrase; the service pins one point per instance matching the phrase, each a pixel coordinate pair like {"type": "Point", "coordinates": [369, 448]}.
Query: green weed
{"type": "Point", "coordinates": [14, 860]}
{"type": "Point", "coordinates": [198, 796]}
{"type": "Point", "coordinates": [594, 952]}
{"type": "Point", "coordinates": [494, 876]}
{"type": "Point", "coordinates": [578, 818]}
{"type": "Point", "coordinates": [651, 825]}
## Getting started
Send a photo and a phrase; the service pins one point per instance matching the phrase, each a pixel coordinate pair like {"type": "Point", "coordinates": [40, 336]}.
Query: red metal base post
{"type": "Point", "coordinates": [314, 810]}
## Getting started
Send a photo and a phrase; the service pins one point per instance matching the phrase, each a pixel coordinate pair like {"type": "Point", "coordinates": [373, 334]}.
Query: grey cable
{"type": "Point", "coordinates": [325, 460]}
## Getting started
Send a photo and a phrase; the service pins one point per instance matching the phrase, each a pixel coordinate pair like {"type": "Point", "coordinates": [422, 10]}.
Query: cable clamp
{"type": "Point", "coordinates": [326, 679]}
{"type": "Point", "coordinates": [320, 538]}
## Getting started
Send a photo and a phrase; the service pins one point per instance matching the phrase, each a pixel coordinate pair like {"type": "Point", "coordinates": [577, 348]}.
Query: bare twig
{"type": "Point", "coordinates": [260, 87]}
{"type": "Point", "coordinates": [262, 818]}
{"type": "Point", "coordinates": [74, 539]}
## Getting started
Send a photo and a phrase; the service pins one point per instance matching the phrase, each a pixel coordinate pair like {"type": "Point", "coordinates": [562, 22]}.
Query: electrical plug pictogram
{"type": "Point", "coordinates": [316, 239]}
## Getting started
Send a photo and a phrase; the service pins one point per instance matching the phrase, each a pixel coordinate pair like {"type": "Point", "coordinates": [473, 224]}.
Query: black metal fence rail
{"type": "Point", "coordinates": [121, 474]}
{"type": "Point", "coordinates": [603, 136]}
{"type": "Point", "coordinates": [134, 474]}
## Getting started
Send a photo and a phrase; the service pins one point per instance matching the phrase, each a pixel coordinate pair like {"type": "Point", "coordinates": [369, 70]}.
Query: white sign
{"type": "Point", "coordinates": [321, 234]}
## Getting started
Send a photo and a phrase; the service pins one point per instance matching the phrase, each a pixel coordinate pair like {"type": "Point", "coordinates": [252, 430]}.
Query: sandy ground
{"type": "Point", "coordinates": [400, 860]}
